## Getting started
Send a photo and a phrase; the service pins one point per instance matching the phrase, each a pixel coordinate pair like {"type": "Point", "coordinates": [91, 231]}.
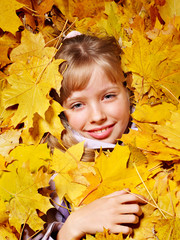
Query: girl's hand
{"type": "Point", "coordinates": [112, 212]}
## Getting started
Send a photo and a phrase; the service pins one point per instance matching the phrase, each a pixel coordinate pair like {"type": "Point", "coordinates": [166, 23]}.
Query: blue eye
{"type": "Point", "coordinates": [77, 105]}
{"type": "Point", "coordinates": [109, 96]}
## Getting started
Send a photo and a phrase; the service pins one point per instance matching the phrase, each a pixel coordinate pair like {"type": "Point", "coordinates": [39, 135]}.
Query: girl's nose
{"type": "Point", "coordinates": [97, 114]}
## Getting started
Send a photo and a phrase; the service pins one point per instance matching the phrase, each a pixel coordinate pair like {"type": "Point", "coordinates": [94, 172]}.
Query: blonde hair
{"type": "Point", "coordinates": [81, 54]}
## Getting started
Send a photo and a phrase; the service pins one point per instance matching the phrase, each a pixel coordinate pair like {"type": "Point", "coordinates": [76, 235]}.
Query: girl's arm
{"type": "Point", "coordinates": [113, 212]}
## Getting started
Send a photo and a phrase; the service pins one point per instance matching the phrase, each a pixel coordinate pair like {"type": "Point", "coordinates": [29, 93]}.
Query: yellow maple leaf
{"type": "Point", "coordinates": [2, 163]}
{"type": "Point", "coordinates": [6, 41]}
{"type": "Point", "coordinates": [66, 7]}
{"type": "Point", "coordinates": [119, 155]}
{"type": "Point", "coordinates": [158, 134]}
{"type": "Point", "coordinates": [9, 20]}
{"type": "Point", "coordinates": [170, 131]}
{"type": "Point", "coordinates": [170, 10]}
{"type": "Point", "coordinates": [31, 157]}
{"type": "Point", "coordinates": [113, 23]}
{"type": "Point", "coordinates": [7, 233]}
{"type": "Point", "coordinates": [109, 178]}
{"type": "Point", "coordinates": [153, 114]}
{"type": "Point", "coordinates": [108, 20]}
{"type": "Point", "coordinates": [41, 8]}
{"type": "Point", "coordinates": [176, 172]}
{"type": "Point", "coordinates": [31, 45]}
{"type": "Point", "coordinates": [31, 78]}
{"type": "Point", "coordinates": [51, 124]}
{"type": "Point", "coordinates": [151, 145]}
{"type": "Point", "coordinates": [3, 212]}
{"type": "Point", "coordinates": [20, 189]}
{"type": "Point", "coordinates": [154, 65]}
{"type": "Point", "coordinates": [146, 229]}
{"type": "Point", "coordinates": [168, 229]}
{"type": "Point", "coordinates": [62, 163]}
{"type": "Point", "coordinates": [82, 9]}
{"type": "Point", "coordinates": [8, 140]}
{"type": "Point", "coordinates": [166, 193]}
{"type": "Point", "coordinates": [106, 235]}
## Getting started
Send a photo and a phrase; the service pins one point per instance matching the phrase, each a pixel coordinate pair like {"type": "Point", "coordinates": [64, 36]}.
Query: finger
{"type": "Point", "coordinates": [130, 198]}
{"type": "Point", "coordinates": [121, 229]}
{"type": "Point", "coordinates": [117, 193]}
{"type": "Point", "coordinates": [130, 208]}
{"type": "Point", "coordinates": [127, 219]}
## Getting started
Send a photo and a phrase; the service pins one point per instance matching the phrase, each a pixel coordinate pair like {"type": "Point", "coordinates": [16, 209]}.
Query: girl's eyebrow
{"type": "Point", "coordinates": [80, 96]}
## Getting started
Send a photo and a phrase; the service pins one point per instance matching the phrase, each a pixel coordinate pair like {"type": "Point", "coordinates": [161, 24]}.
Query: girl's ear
{"type": "Point", "coordinates": [62, 67]}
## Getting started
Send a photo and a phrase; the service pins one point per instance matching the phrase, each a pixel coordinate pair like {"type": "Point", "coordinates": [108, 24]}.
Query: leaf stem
{"type": "Point", "coordinates": [146, 201]}
{"type": "Point", "coordinates": [148, 191]}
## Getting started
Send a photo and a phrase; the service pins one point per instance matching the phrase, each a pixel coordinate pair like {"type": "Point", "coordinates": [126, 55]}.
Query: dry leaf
{"type": "Point", "coordinates": [9, 19]}
{"type": "Point", "coordinates": [8, 140]}
{"type": "Point", "coordinates": [31, 157]}
{"type": "Point", "coordinates": [21, 191]}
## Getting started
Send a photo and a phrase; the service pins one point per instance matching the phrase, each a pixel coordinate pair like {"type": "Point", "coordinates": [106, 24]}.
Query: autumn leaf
{"type": "Point", "coordinates": [2, 163]}
{"type": "Point", "coordinates": [31, 45]}
{"type": "Point", "coordinates": [66, 7]}
{"type": "Point", "coordinates": [147, 229]}
{"type": "Point", "coordinates": [168, 229]}
{"type": "Point", "coordinates": [154, 65]}
{"type": "Point", "coordinates": [177, 172]}
{"type": "Point", "coordinates": [98, 183]}
{"type": "Point", "coordinates": [40, 8]}
{"type": "Point", "coordinates": [51, 124]}
{"type": "Point", "coordinates": [158, 133]}
{"type": "Point", "coordinates": [113, 25]}
{"type": "Point", "coordinates": [31, 157]}
{"type": "Point", "coordinates": [20, 189]}
{"type": "Point", "coordinates": [81, 9]}
{"type": "Point", "coordinates": [31, 78]}
{"type": "Point", "coordinates": [119, 155]}
{"type": "Point", "coordinates": [7, 233]}
{"type": "Point", "coordinates": [170, 131]}
{"type": "Point", "coordinates": [8, 140]}
{"type": "Point", "coordinates": [170, 10]}
{"type": "Point", "coordinates": [153, 114]}
{"type": "Point", "coordinates": [7, 41]}
{"type": "Point", "coordinates": [3, 212]}
{"type": "Point", "coordinates": [106, 235]}
{"type": "Point", "coordinates": [9, 19]}
{"type": "Point", "coordinates": [109, 20]}
{"type": "Point", "coordinates": [109, 179]}
{"type": "Point", "coordinates": [62, 163]}
{"type": "Point", "coordinates": [149, 143]}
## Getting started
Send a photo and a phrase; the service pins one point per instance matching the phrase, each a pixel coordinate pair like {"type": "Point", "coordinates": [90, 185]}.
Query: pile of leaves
{"type": "Point", "coordinates": [148, 163]}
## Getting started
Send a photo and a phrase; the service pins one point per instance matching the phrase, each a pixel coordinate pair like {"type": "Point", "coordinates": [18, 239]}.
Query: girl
{"type": "Point", "coordinates": [97, 110]}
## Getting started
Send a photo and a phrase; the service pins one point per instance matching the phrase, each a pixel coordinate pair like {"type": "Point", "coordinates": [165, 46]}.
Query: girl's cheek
{"type": "Point", "coordinates": [76, 120]}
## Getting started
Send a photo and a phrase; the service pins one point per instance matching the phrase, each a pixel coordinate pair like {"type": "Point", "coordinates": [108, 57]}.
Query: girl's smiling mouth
{"type": "Point", "coordinates": [101, 133]}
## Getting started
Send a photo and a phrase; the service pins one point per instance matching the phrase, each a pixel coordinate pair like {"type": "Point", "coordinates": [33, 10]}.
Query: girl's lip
{"type": "Point", "coordinates": [101, 133]}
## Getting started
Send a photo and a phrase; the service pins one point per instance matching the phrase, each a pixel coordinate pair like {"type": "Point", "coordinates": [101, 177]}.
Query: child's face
{"type": "Point", "coordinates": [100, 111]}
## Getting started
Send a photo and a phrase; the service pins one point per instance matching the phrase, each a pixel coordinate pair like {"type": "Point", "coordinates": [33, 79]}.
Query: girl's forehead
{"type": "Point", "coordinates": [95, 87]}
{"type": "Point", "coordinates": [89, 75]}
{"type": "Point", "coordinates": [99, 78]}
{"type": "Point", "coordinates": [102, 80]}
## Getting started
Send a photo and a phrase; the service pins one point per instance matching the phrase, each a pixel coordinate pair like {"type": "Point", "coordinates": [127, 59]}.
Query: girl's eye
{"type": "Point", "coordinates": [109, 96]}
{"type": "Point", "coordinates": [76, 106]}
